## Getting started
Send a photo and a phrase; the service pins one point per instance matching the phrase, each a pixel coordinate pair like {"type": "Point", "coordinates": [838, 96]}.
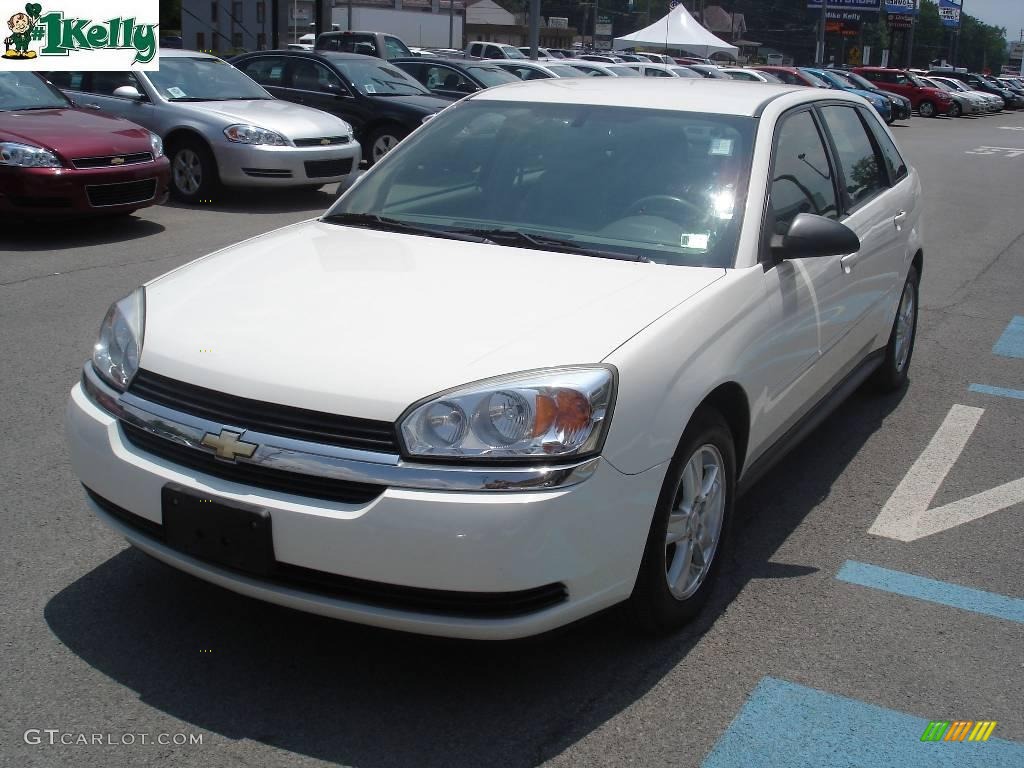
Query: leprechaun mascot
{"type": "Point", "coordinates": [21, 25]}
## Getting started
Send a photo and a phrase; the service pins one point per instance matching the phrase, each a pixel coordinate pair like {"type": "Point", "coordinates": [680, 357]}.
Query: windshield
{"type": "Point", "coordinates": [563, 70]}
{"type": "Point", "coordinates": [916, 80]}
{"type": "Point", "coordinates": [859, 82]}
{"type": "Point", "coordinates": [622, 70]}
{"type": "Point", "coordinates": [954, 84]}
{"type": "Point", "coordinates": [830, 79]}
{"type": "Point", "coordinates": [491, 76]}
{"type": "Point", "coordinates": [638, 184]}
{"type": "Point", "coordinates": [26, 90]}
{"type": "Point", "coordinates": [592, 71]}
{"type": "Point", "coordinates": [195, 79]}
{"type": "Point", "coordinates": [711, 72]}
{"type": "Point", "coordinates": [684, 72]}
{"type": "Point", "coordinates": [375, 77]}
{"type": "Point", "coordinates": [512, 53]}
{"type": "Point", "coordinates": [939, 84]}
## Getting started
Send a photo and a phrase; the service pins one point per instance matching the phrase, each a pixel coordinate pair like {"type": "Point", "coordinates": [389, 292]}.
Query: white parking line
{"type": "Point", "coordinates": [1008, 151]}
{"type": "Point", "coordinates": [906, 517]}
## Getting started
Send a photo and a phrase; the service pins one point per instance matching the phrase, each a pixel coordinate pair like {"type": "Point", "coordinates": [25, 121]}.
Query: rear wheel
{"type": "Point", "coordinates": [892, 374]}
{"type": "Point", "coordinates": [690, 527]}
{"type": "Point", "coordinates": [927, 109]}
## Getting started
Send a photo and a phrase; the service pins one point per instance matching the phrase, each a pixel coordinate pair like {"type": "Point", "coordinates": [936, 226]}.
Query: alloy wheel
{"type": "Point", "coordinates": [927, 109]}
{"type": "Point", "coordinates": [383, 144]}
{"type": "Point", "coordinates": [188, 171]}
{"type": "Point", "coordinates": [905, 320]}
{"type": "Point", "coordinates": [695, 522]}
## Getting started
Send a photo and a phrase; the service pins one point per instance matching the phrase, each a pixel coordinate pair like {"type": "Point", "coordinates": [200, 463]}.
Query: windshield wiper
{"type": "Point", "coordinates": [193, 98]}
{"type": "Point", "coordinates": [385, 224]}
{"type": "Point", "coordinates": [515, 238]}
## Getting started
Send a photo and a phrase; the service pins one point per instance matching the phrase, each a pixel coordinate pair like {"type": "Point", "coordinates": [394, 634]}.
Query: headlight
{"type": "Point", "coordinates": [547, 414]}
{"type": "Point", "coordinates": [116, 354]}
{"type": "Point", "coordinates": [251, 134]}
{"type": "Point", "coordinates": [26, 156]}
{"type": "Point", "coordinates": [157, 144]}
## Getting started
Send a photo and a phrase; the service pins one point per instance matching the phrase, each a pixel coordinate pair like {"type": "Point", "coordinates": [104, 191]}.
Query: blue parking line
{"type": "Point", "coordinates": [985, 389]}
{"type": "Point", "coordinates": [1011, 343]}
{"type": "Point", "coordinates": [965, 598]}
{"type": "Point", "coordinates": [784, 725]}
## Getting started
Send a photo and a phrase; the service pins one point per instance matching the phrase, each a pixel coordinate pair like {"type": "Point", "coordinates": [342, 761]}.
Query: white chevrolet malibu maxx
{"type": "Point", "coordinates": [521, 370]}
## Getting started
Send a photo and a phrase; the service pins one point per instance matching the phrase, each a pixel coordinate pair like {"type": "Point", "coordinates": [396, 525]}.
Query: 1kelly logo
{"type": "Point", "coordinates": [958, 730]}
{"type": "Point", "coordinates": [57, 34]}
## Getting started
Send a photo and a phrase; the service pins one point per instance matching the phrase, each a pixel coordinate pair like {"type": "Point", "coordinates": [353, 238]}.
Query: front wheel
{"type": "Point", "coordinates": [956, 110]}
{"type": "Point", "coordinates": [690, 527]}
{"type": "Point", "coordinates": [927, 109]}
{"type": "Point", "coordinates": [383, 141]}
{"type": "Point", "coordinates": [892, 374]}
{"type": "Point", "coordinates": [193, 171]}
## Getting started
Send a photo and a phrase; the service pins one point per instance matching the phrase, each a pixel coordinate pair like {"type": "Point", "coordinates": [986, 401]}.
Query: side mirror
{"type": "Point", "coordinates": [810, 236]}
{"type": "Point", "coordinates": [128, 92]}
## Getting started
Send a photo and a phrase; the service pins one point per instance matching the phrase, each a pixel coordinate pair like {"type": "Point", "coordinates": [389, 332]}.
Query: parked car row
{"type": "Point", "coordinates": [300, 118]}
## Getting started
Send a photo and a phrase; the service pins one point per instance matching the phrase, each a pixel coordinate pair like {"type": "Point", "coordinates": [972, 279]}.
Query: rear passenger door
{"type": "Point", "coordinates": [268, 71]}
{"type": "Point", "coordinates": [880, 206]}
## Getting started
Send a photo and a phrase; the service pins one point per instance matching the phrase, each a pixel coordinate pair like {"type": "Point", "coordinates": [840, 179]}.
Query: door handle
{"type": "Point", "coordinates": [849, 261]}
{"type": "Point", "coordinates": [899, 219]}
{"type": "Point", "coordinates": [92, 106]}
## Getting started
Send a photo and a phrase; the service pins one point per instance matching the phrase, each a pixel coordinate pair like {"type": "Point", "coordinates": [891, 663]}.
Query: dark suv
{"type": "Point", "coordinates": [981, 83]}
{"type": "Point", "coordinates": [928, 101]}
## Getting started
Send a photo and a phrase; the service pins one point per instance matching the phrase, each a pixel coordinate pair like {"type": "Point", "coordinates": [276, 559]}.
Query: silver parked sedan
{"type": "Point", "coordinates": [221, 127]}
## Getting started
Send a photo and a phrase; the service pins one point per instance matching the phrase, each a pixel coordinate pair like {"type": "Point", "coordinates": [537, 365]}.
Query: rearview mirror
{"type": "Point", "coordinates": [810, 236]}
{"type": "Point", "coordinates": [128, 92]}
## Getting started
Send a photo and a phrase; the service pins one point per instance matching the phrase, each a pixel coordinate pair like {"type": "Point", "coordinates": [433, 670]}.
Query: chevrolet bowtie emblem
{"type": "Point", "coordinates": [228, 446]}
{"type": "Point", "coordinates": [325, 142]}
{"type": "Point", "coordinates": [117, 161]}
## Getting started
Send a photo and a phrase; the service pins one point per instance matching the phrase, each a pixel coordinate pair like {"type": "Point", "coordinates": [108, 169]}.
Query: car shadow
{"type": "Point", "coordinates": [265, 200]}
{"type": "Point", "coordinates": [77, 233]}
{"type": "Point", "coordinates": [235, 667]}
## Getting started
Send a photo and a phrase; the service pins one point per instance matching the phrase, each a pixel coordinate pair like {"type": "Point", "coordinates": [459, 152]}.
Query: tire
{"type": "Point", "coordinates": [927, 109]}
{"type": "Point", "coordinates": [654, 605]}
{"type": "Point", "coordinates": [892, 374]}
{"type": "Point", "coordinates": [382, 141]}
{"type": "Point", "coordinates": [193, 171]}
{"type": "Point", "coordinates": [956, 110]}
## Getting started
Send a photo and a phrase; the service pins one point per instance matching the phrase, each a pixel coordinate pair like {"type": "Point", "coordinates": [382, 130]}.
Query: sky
{"type": "Point", "coordinates": [1001, 13]}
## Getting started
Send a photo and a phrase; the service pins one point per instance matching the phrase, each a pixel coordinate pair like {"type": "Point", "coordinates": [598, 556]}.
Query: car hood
{"type": "Point", "coordinates": [365, 323]}
{"type": "Point", "coordinates": [284, 117]}
{"type": "Point", "coordinates": [74, 132]}
{"type": "Point", "coordinates": [425, 104]}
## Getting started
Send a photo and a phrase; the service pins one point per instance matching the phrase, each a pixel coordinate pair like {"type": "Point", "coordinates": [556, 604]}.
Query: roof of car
{"type": "Point", "coordinates": [317, 55]}
{"type": "Point", "coordinates": [727, 97]}
{"type": "Point", "coordinates": [184, 53]}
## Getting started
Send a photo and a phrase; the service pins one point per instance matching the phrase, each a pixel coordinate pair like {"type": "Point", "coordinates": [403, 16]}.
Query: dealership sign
{"type": "Point", "coordinates": [903, 7]}
{"type": "Point", "coordinates": [90, 35]}
{"type": "Point", "coordinates": [949, 12]}
{"type": "Point", "coordinates": [864, 6]}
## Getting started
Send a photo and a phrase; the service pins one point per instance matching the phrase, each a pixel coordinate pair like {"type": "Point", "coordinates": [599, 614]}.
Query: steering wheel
{"type": "Point", "coordinates": [677, 203]}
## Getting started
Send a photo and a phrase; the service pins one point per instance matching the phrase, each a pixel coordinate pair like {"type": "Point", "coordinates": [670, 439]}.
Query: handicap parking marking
{"type": "Point", "coordinates": [1011, 343]}
{"type": "Point", "coordinates": [932, 591]}
{"type": "Point", "coordinates": [985, 389]}
{"type": "Point", "coordinates": [785, 725]}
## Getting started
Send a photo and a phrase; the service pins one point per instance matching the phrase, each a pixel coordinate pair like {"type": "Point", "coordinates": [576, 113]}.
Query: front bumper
{"type": "Point", "coordinates": [55, 192]}
{"type": "Point", "coordinates": [247, 165]}
{"type": "Point", "coordinates": [588, 537]}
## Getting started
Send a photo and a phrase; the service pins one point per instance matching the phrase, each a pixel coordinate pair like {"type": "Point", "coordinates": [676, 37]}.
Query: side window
{"type": "Point", "coordinates": [474, 49]}
{"type": "Point", "coordinates": [893, 160]}
{"type": "Point", "coordinates": [445, 78]}
{"type": "Point", "coordinates": [494, 52]}
{"type": "Point", "coordinates": [72, 81]}
{"type": "Point", "coordinates": [786, 77]}
{"type": "Point", "coordinates": [656, 73]}
{"type": "Point", "coordinates": [802, 176]}
{"type": "Point", "coordinates": [902, 79]}
{"type": "Point", "coordinates": [105, 83]}
{"type": "Point", "coordinates": [861, 171]}
{"type": "Point", "coordinates": [312, 76]}
{"type": "Point", "coordinates": [395, 48]}
{"type": "Point", "coordinates": [265, 70]}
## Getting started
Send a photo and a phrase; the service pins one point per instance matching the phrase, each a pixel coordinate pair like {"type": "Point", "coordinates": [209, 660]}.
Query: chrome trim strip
{"type": "Point", "coordinates": [334, 462]}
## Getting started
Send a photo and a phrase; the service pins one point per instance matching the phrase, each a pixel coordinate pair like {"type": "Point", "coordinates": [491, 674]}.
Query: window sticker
{"type": "Point", "coordinates": [721, 147]}
{"type": "Point", "coordinates": [370, 88]}
{"type": "Point", "coordinates": [696, 241]}
{"type": "Point", "coordinates": [176, 92]}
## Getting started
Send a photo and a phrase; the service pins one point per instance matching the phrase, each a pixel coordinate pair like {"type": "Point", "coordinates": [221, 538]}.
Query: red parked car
{"type": "Point", "coordinates": [793, 76]}
{"type": "Point", "coordinates": [928, 101]}
{"type": "Point", "coordinates": [58, 160]}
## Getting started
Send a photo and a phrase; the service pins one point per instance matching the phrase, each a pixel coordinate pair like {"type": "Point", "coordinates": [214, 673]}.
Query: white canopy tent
{"type": "Point", "coordinates": [677, 31]}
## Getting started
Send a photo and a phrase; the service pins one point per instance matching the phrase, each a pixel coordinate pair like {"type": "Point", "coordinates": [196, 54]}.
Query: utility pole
{"type": "Point", "coordinates": [534, 28]}
{"type": "Point", "coordinates": [451, 23]}
{"type": "Point", "coordinates": [910, 44]}
{"type": "Point", "coordinates": [820, 58]}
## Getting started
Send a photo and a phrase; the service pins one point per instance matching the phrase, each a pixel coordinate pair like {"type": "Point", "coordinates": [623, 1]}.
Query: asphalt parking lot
{"type": "Point", "coordinates": [826, 644]}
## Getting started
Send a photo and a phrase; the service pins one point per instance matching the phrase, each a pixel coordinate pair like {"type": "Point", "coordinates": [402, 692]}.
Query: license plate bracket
{"type": "Point", "coordinates": [219, 531]}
